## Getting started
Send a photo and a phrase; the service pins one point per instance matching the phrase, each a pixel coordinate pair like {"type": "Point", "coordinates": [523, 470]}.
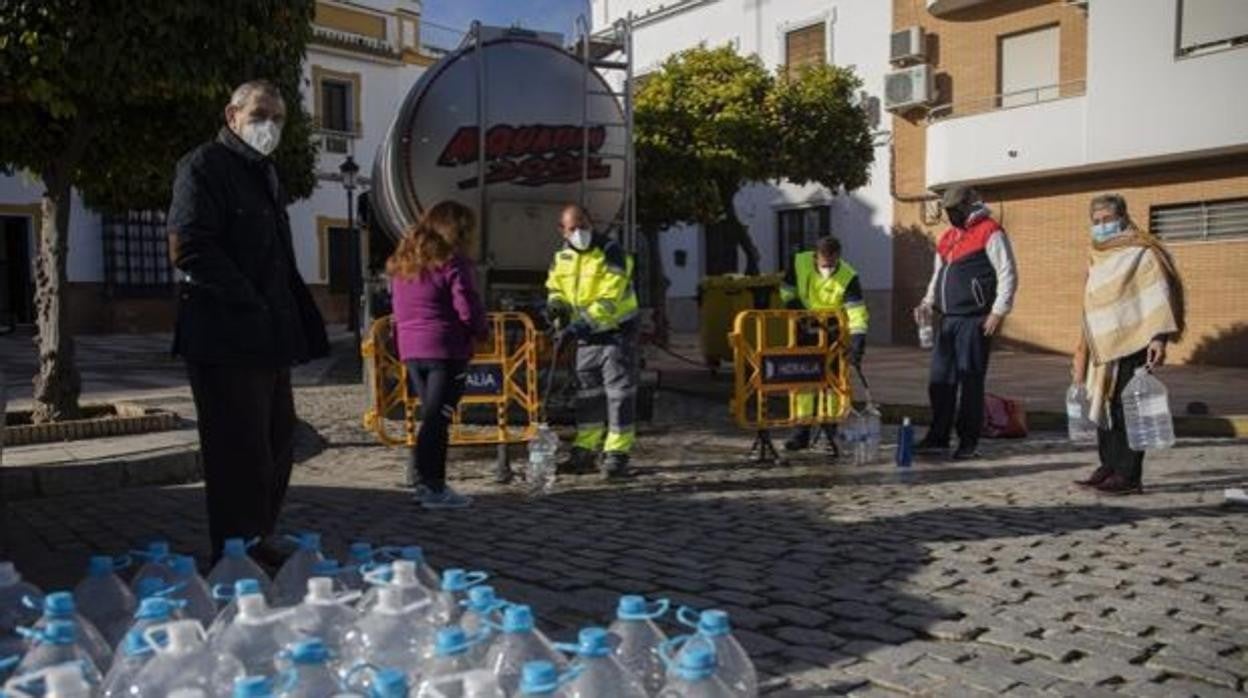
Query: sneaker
{"type": "Point", "coordinates": [1098, 476]}
{"type": "Point", "coordinates": [966, 452]}
{"type": "Point", "coordinates": [1117, 486]}
{"type": "Point", "coordinates": [930, 447]}
{"type": "Point", "coordinates": [615, 466]}
{"type": "Point", "coordinates": [446, 499]}
{"type": "Point", "coordinates": [579, 462]}
{"type": "Point", "coordinates": [799, 441]}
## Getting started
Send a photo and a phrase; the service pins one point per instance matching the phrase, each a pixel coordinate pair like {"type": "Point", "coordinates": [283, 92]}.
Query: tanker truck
{"type": "Point", "coordinates": [515, 126]}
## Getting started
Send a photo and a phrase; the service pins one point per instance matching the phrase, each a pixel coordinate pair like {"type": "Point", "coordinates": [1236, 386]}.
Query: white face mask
{"type": "Point", "coordinates": [263, 136]}
{"type": "Point", "coordinates": [826, 272]}
{"type": "Point", "coordinates": [580, 239]}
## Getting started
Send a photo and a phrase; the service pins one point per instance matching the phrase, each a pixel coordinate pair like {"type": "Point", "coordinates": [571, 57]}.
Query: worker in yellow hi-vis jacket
{"type": "Point", "coordinates": [821, 280]}
{"type": "Point", "coordinates": [590, 297]}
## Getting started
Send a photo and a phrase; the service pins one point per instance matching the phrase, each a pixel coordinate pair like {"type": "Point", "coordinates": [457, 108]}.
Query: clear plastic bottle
{"type": "Point", "coordinates": [539, 679]}
{"type": "Point", "coordinates": [389, 683]}
{"type": "Point", "coordinates": [152, 611]}
{"type": "Point", "coordinates": [428, 576]}
{"type": "Point", "coordinates": [543, 452]}
{"type": "Point", "coordinates": [155, 565]}
{"type": "Point", "coordinates": [1146, 409]}
{"type": "Point", "coordinates": [253, 687]}
{"type": "Point", "coordinates": [447, 606]}
{"type": "Point", "coordinates": [60, 681]}
{"type": "Point", "coordinates": [234, 565]}
{"type": "Point", "coordinates": [452, 657]}
{"type": "Point", "coordinates": [133, 654]}
{"type": "Point", "coordinates": [694, 674]}
{"type": "Point", "coordinates": [923, 319]}
{"type": "Point", "coordinates": [230, 596]}
{"type": "Point", "coordinates": [361, 558]}
{"type": "Point", "coordinates": [519, 643]}
{"type": "Point", "coordinates": [292, 578]}
{"type": "Point", "coordinates": [1079, 426]}
{"type": "Point", "coordinates": [733, 664]}
{"type": "Point", "coordinates": [640, 639]}
{"type": "Point", "coordinates": [599, 674]}
{"type": "Point", "coordinates": [482, 611]}
{"type": "Point", "coordinates": [256, 635]}
{"type": "Point", "coordinates": [14, 613]}
{"type": "Point", "coordinates": [403, 575]}
{"type": "Point", "coordinates": [309, 674]}
{"type": "Point", "coordinates": [324, 614]}
{"type": "Point", "coordinates": [874, 430]}
{"type": "Point", "coordinates": [391, 634]}
{"type": "Point", "coordinates": [474, 683]}
{"type": "Point", "coordinates": [57, 642]}
{"type": "Point", "coordinates": [60, 605]}
{"type": "Point", "coordinates": [105, 599]}
{"type": "Point", "coordinates": [184, 660]}
{"type": "Point", "coordinates": [200, 604]}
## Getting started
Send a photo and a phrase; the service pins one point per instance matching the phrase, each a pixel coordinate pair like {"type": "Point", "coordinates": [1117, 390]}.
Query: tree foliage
{"type": "Point", "coordinates": [710, 121]}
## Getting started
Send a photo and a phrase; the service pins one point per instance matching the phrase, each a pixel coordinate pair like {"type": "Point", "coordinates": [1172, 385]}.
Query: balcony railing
{"type": "Point", "coordinates": [354, 42]}
{"type": "Point", "coordinates": [1008, 100]}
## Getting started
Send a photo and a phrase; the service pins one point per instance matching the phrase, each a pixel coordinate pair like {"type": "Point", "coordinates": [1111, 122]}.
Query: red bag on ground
{"type": "Point", "coordinates": [1004, 418]}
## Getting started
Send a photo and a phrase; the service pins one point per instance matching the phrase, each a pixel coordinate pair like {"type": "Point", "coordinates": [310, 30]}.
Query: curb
{"type": "Point", "coordinates": [168, 466]}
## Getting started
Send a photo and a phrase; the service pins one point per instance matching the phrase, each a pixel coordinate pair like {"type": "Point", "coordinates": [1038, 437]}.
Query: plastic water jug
{"type": "Point", "coordinates": [733, 664]}
{"type": "Point", "coordinates": [155, 565]}
{"type": "Point", "coordinates": [230, 596]}
{"type": "Point", "coordinates": [184, 660]}
{"type": "Point", "coordinates": [1080, 427]}
{"type": "Point", "coordinates": [403, 575]}
{"type": "Point", "coordinates": [54, 644]}
{"type": "Point", "coordinates": [543, 451]}
{"type": "Point", "coordinates": [152, 612]}
{"type": "Point", "coordinates": [905, 444]}
{"type": "Point", "coordinates": [389, 683]}
{"type": "Point", "coordinates": [425, 572]}
{"type": "Point", "coordinates": [200, 604]}
{"type": "Point", "coordinates": [324, 614]}
{"type": "Point", "coordinates": [235, 564]}
{"type": "Point", "coordinates": [60, 605]}
{"type": "Point", "coordinates": [874, 432]}
{"type": "Point", "coordinates": [1146, 408]}
{"type": "Point", "coordinates": [452, 657]}
{"type": "Point", "coordinates": [447, 606]}
{"type": "Point", "coordinates": [474, 683]}
{"type": "Point", "coordinates": [256, 635]}
{"type": "Point", "coordinates": [309, 674]}
{"type": "Point", "coordinates": [481, 614]}
{"type": "Point", "coordinates": [105, 600]}
{"type": "Point", "coordinates": [923, 319]}
{"type": "Point", "coordinates": [14, 613]}
{"type": "Point", "coordinates": [391, 634]}
{"type": "Point", "coordinates": [361, 558]}
{"type": "Point", "coordinates": [540, 679]}
{"type": "Point", "coordinates": [292, 578]}
{"type": "Point", "coordinates": [60, 681]}
{"type": "Point", "coordinates": [253, 687]}
{"type": "Point", "coordinates": [598, 673]}
{"type": "Point", "coordinates": [518, 644]}
{"type": "Point", "coordinates": [694, 673]}
{"type": "Point", "coordinates": [639, 639]}
{"type": "Point", "coordinates": [133, 654]}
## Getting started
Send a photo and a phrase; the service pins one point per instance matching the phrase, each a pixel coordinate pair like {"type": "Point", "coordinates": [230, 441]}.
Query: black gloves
{"type": "Point", "coordinates": [557, 315]}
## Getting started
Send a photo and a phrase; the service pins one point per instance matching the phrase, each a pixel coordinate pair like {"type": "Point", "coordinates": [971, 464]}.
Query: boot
{"type": "Point", "coordinates": [615, 465]}
{"type": "Point", "coordinates": [1116, 486]}
{"type": "Point", "coordinates": [579, 462]}
{"type": "Point", "coordinates": [1096, 478]}
{"type": "Point", "coordinates": [799, 441]}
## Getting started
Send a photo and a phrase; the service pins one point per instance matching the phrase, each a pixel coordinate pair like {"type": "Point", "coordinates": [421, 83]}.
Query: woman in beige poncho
{"type": "Point", "coordinates": [1132, 308]}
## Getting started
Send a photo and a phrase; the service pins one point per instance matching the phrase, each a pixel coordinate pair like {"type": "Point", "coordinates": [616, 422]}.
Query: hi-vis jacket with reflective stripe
{"type": "Point", "coordinates": [596, 283]}
{"type": "Point", "coordinates": [803, 283]}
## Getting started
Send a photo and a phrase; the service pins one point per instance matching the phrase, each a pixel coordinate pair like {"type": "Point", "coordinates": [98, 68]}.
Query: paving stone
{"type": "Point", "coordinates": [1170, 661]}
{"type": "Point", "coordinates": [904, 681]}
{"type": "Point", "coordinates": [1025, 643]}
{"type": "Point", "coordinates": [797, 615]}
{"type": "Point", "coordinates": [875, 630]}
{"type": "Point", "coordinates": [808, 637]}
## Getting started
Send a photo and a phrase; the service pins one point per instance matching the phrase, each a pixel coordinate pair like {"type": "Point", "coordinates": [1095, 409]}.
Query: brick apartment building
{"type": "Point", "coordinates": [1043, 104]}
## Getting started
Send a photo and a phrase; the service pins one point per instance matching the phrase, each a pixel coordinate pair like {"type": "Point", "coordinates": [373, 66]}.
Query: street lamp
{"type": "Point", "coordinates": [348, 169]}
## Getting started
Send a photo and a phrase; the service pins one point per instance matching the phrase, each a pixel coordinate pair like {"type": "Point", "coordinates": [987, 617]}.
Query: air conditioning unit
{"type": "Point", "coordinates": [907, 46]}
{"type": "Point", "coordinates": [908, 88]}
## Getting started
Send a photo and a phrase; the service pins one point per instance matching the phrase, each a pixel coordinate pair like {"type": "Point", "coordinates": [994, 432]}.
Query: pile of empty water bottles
{"type": "Point", "coordinates": [383, 625]}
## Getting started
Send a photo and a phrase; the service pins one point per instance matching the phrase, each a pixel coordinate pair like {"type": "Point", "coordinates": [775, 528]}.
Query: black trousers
{"type": "Point", "coordinates": [246, 421]}
{"type": "Point", "coordinates": [1111, 443]}
{"type": "Point", "coordinates": [440, 385]}
{"type": "Point", "coordinates": [959, 367]}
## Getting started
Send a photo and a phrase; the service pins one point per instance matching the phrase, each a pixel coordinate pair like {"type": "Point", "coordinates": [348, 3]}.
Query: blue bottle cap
{"type": "Point", "coordinates": [454, 579]}
{"type": "Point", "coordinates": [714, 623]}
{"type": "Point", "coordinates": [518, 619]}
{"type": "Point", "coordinates": [310, 541]}
{"type": "Point", "coordinates": [133, 644]}
{"type": "Point", "coordinates": [100, 566]}
{"type": "Point", "coordinates": [451, 641]}
{"type": "Point", "coordinates": [310, 651]}
{"type": "Point", "coordinates": [244, 587]}
{"type": "Point", "coordinates": [325, 568]}
{"type": "Point", "coordinates": [149, 587]}
{"type": "Point", "coordinates": [234, 548]}
{"type": "Point", "coordinates": [252, 687]}
{"type": "Point", "coordinates": [412, 552]}
{"type": "Point", "coordinates": [59, 604]}
{"type": "Point", "coordinates": [158, 549]}
{"type": "Point", "coordinates": [183, 565]}
{"type": "Point", "coordinates": [60, 632]}
{"type": "Point", "coordinates": [154, 608]}
{"type": "Point", "coordinates": [389, 683]}
{"type": "Point", "coordinates": [631, 607]}
{"type": "Point", "coordinates": [593, 642]}
{"type": "Point", "coordinates": [361, 551]}
{"type": "Point", "coordinates": [697, 662]}
{"type": "Point", "coordinates": [482, 599]}
{"type": "Point", "coordinates": [539, 678]}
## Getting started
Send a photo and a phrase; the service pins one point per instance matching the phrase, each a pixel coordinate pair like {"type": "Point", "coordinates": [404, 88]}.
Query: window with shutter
{"type": "Point", "coordinates": [1209, 25]}
{"type": "Point", "coordinates": [805, 46]}
{"type": "Point", "coordinates": [1201, 220]}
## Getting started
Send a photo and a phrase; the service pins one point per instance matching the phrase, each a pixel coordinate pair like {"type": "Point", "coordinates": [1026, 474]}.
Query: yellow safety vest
{"type": "Point", "coordinates": [818, 293]}
{"type": "Point", "coordinates": [596, 283]}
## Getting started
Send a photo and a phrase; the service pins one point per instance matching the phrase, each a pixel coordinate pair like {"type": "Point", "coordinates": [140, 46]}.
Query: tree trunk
{"type": "Point", "coordinates": [738, 232]}
{"type": "Point", "coordinates": [57, 384]}
{"type": "Point", "coordinates": [656, 284]}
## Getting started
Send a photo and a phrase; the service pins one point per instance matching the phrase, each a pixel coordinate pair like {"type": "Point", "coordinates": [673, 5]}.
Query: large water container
{"type": "Point", "coordinates": [184, 660]}
{"type": "Point", "coordinates": [474, 683]}
{"type": "Point", "coordinates": [482, 613]}
{"type": "Point", "coordinates": [105, 599]}
{"type": "Point", "coordinates": [253, 687]}
{"type": "Point", "coordinates": [598, 674]}
{"type": "Point", "coordinates": [309, 674]}
{"type": "Point", "coordinates": [151, 612]}
{"type": "Point", "coordinates": [452, 657]}
{"type": "Point", "coordinates": [156, 558]}
{"type": "Point", "coordinates": [1079, 426]}
{"type": "Point", "coordinates": [60, 681]}
{"type": "Point", "coordinates": [55, 644]}
{"type": "Point", "coordinates": [543, 453]}
{"type": "Point", "coordinates": [447, 603]}
{"type": "Point", "coordinates": [133, 654]}
{"type": "Point", "coordinates": [694, 673]}
{"type": "Point", "coordinates": [519, 644]}
{"type": "Point", "coordinates": [734, 665]}
{"type": "Point", "coordinates": [14, 613]}
{"type": "Point", "coordinates": [256, 635]}
{"type": "Point", "coordinates": [243, 587]}
{"type": "Point", "coordinates": [292, 578]}
{"type": "Point", "coordinates": [1146, 407]}
{"type": "Point", "coordinates": [874, 422]}
{"type": "Point", "coordinates": [324, 614]}
{"type": "Point", "coordinates": [234, 565]}
{"type": "Point", "coordinates": [389, 635]}
{"type": "Point", "coordinates": [200, 604]}
{"type": "Point", "coordinates": [361, 558]}
{"type": "Point", "coordinates": [60, 605]}
{"type": "Point", "coordinates": [640, 639]}
{"type": "Point", "coordinates": [428, 576]}
{"type": "Point", "coordinates": [403, 575]}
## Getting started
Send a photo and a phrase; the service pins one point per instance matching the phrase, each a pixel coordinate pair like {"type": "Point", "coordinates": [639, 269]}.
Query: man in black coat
{"type": "Point", "coordinates": [244, 314]}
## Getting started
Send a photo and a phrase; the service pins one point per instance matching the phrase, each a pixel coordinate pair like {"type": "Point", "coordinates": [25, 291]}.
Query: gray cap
{"type": "Point", "coordinates": [956, 196]}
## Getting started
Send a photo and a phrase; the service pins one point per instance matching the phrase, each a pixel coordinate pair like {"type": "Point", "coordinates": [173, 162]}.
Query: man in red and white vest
{"type": "Point", "coordinates": [972, 286]}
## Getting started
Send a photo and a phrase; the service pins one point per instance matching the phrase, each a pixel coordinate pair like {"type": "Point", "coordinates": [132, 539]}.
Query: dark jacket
{"type": "Point", "coordinates": [974, 270]}
{"type": "Point", "coordinates": [244, 302]}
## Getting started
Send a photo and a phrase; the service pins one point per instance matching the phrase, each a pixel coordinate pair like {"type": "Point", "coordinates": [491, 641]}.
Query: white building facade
{"type": "Point", "coordinates": [781, 217]}
{"type": "Point", "coordinates": [363, 58]}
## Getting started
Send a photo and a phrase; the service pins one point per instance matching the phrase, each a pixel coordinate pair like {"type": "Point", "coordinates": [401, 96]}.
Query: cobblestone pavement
{"type": "Point", "coordinates": [991, 578]}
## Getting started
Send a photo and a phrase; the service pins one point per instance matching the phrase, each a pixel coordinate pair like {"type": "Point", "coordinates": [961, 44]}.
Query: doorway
{"type": "Point", "coordinates": [17, 302]}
